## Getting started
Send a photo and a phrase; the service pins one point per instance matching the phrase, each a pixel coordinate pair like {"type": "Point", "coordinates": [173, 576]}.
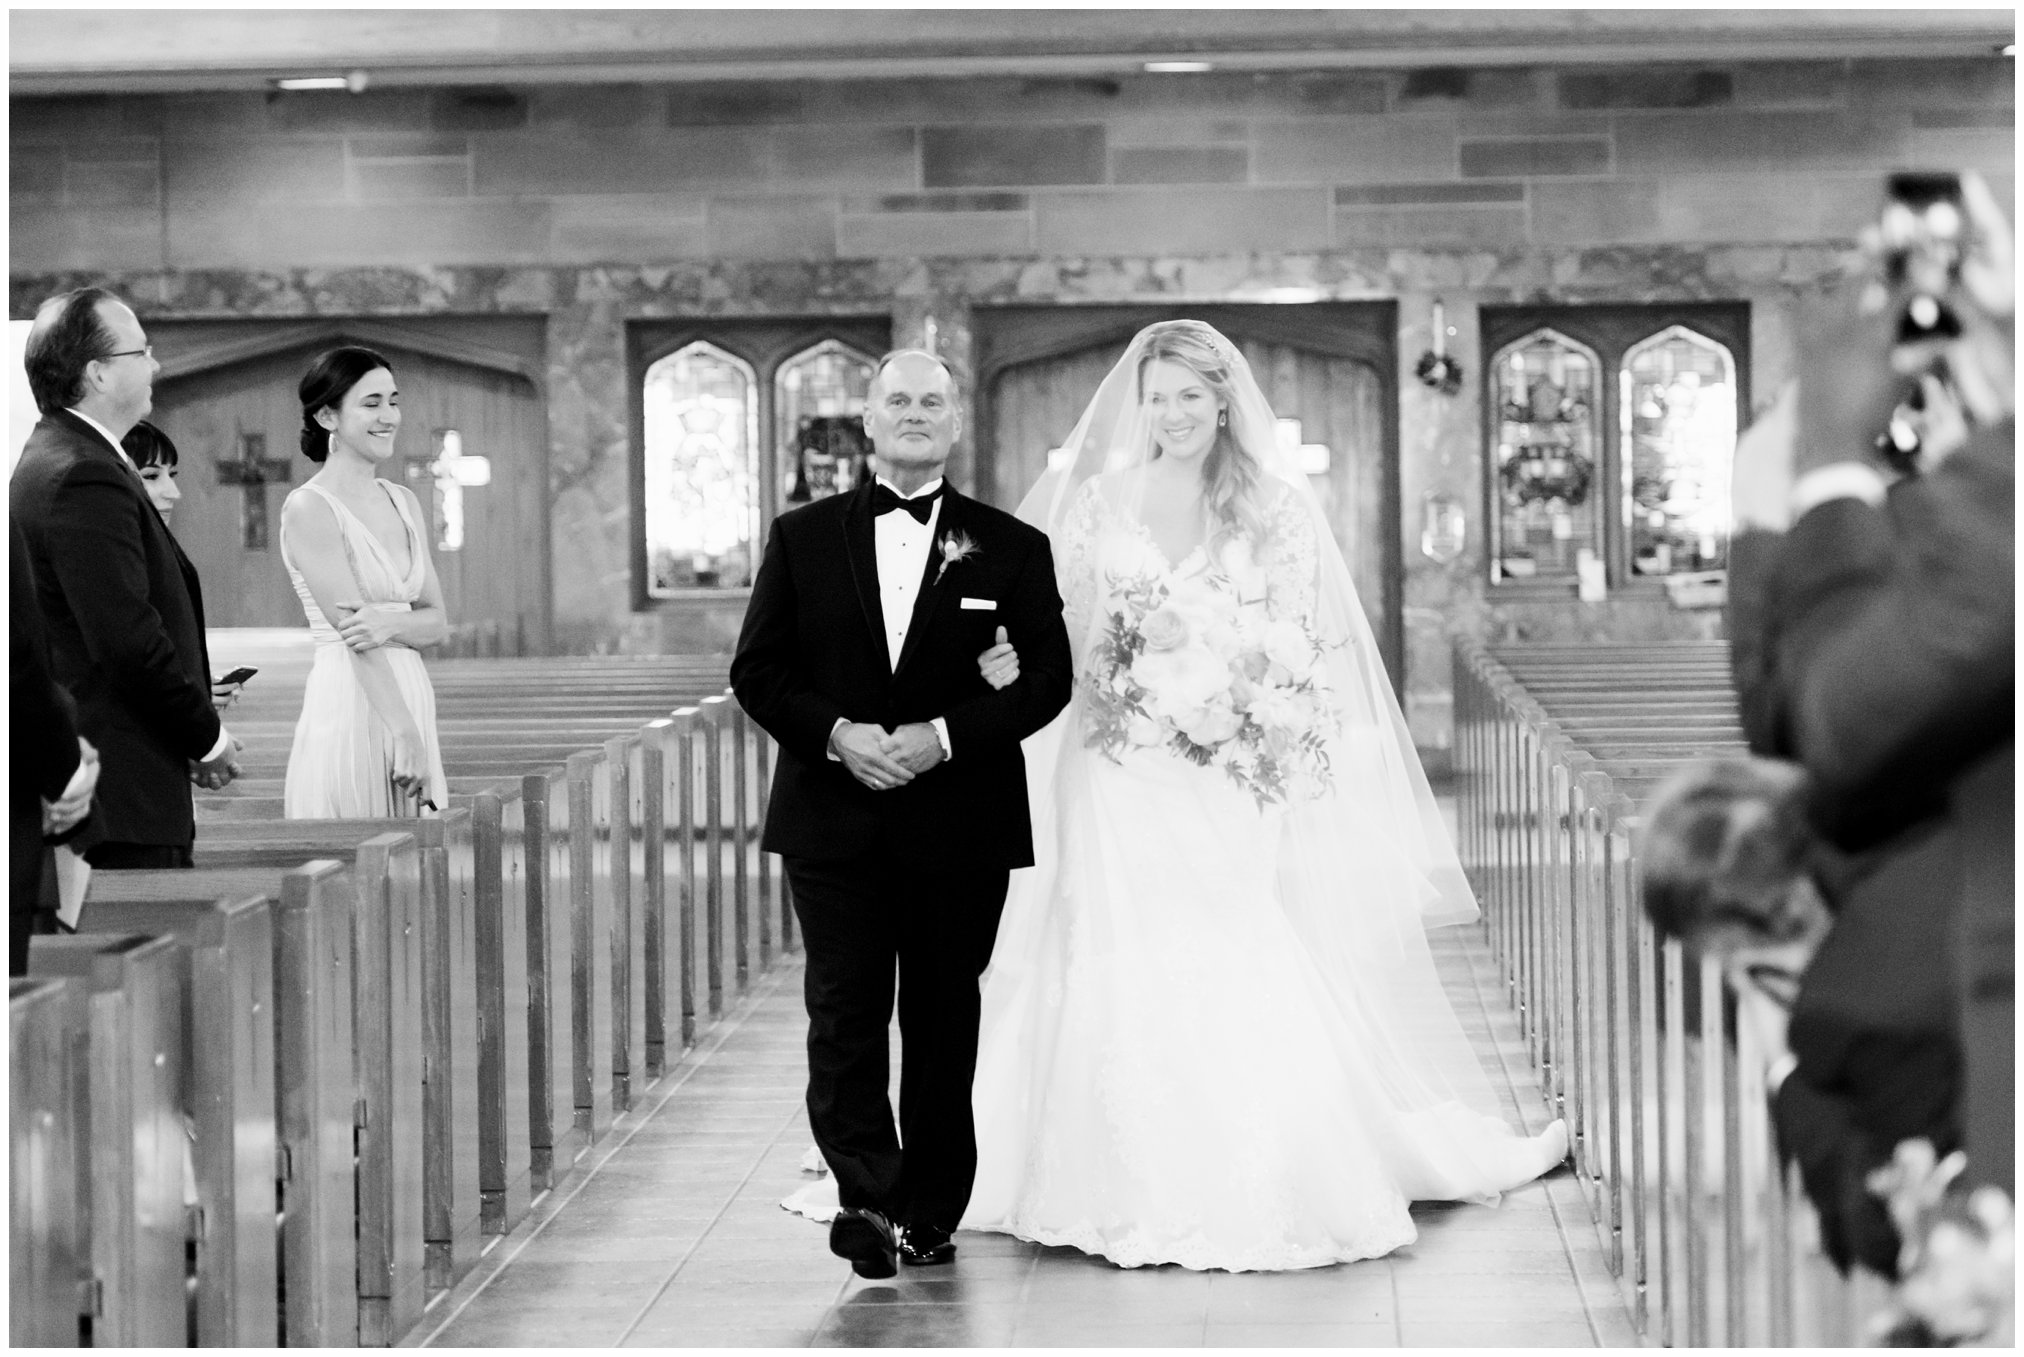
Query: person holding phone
{"type": "Point", "coordinates": [358, 557]}
{"type": "Point", "coordinates": [153, 454]}
{"type": "Point", "coordinates": [1881, 627]}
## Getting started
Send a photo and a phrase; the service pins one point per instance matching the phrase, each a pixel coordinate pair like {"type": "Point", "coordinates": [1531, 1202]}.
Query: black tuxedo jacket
{"type": "Point", "coordinates": [813, 651]}
{"type": "Point", "coordinates": [126, 626]}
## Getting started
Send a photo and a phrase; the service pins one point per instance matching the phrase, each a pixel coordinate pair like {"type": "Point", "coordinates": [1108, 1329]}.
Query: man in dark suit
{"type": "Point", "coordinates": [1886, 632]}
{"type": "Point", "coordinates": [52, 770]}
{"type": "Point", "coordinates": [124, 612]}
{"type": "Point", "coordinates": [899, 804]}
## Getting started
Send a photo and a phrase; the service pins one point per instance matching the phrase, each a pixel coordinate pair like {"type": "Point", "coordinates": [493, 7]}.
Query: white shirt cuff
{"type": "Point", "coordinates": [224, 743]}
{"type": "Point", "coordinates": [1779, 1071]}
{"type": "Point", "coordinates": [1840, 480]}
{"type": "Point", "coordinates": [834, 757]}
{"type": "Point", "coordinates": [941, 726]}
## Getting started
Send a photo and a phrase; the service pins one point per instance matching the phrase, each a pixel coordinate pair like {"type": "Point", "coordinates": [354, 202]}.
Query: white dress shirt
{"type": "Point", "coordinates": [901, 547]}
{"type": "Point", "coordinates": [224, 735]}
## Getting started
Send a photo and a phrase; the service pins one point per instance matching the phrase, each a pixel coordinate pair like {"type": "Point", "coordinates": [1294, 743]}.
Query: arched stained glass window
{"type": "Point", "coordinates": [702, 503]}
{"type": "Point", "coordinates": [1546, 436]}
{"type": "Point", "coordinates": [819, 412]}
{"type": "Point", "coordinates": [1678, 418]}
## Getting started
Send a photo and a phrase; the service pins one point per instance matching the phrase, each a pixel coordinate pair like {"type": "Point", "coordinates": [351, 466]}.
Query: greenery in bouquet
{"type": "Point", "coordinates": [1957, 1266]}
{"type": "Point", "coordinates": [1202, 667]}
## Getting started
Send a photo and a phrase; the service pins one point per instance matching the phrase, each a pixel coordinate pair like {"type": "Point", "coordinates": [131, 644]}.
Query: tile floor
{"type": "Point", "coordinates": [669, 1234]}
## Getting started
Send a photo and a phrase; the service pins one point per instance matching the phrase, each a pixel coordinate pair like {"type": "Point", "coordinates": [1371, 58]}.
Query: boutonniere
{"type": "Point", "coordinates": [956, 546]}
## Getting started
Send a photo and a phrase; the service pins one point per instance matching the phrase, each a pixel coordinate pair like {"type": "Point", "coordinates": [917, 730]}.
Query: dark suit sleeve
{"type": "Point", "coordinates": [40, 713]}
{"type": "Point", "coordinates": [766, 674]}
{"type": "Point", "coordinates": [1898, 639]}
{"type": "Point", "coordinates": [96, 558]}
{"type": "Point", "coordinates": [1004, 716]}
{"type": "Point", "coordinates": [1816, 1131]}
{"type": "Point", "coordinates": [1752, 627]}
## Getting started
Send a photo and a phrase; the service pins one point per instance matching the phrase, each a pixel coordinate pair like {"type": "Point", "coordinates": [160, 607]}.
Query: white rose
{"type": "Point", "coordinates": [1210, 724]}
{"type": "Point", "coordinates": [1180, 680]}
{"type": "Point", "coordinates": [1287, 646]}
{"type": "Point", "coordinates": [1143, 731]}
{"type": "Point", "coordinates": [1278, 709]}
{"type": "Point", "coordinates": [1241, 565]}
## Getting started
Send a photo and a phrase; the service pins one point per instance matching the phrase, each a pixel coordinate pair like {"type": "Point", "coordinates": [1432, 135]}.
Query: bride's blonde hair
{"type": "Point", "coordinates": [1230, 471]}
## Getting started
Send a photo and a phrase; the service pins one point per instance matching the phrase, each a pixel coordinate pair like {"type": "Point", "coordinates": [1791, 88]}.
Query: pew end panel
{"type": "Point", "coordinates": [51, 1285]}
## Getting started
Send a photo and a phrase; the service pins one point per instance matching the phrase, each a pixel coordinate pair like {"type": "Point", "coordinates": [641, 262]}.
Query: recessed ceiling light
{"type": "Point", "coordinates": [1178, 67]}
{"type": "Point", "coordinates": [355, 82]}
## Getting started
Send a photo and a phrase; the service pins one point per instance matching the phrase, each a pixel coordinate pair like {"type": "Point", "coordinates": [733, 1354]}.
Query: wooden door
{"type": "Point", "coordinates": [235, 424]}
{"type": "Point", "coordinates": [1041, 370]}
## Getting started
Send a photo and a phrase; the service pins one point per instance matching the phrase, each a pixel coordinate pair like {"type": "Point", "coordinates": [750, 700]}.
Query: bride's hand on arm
{"type": "Point", "coordinates": [1000, 664]}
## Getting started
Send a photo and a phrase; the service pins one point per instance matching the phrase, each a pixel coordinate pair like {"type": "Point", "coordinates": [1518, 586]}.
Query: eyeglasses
{"type": "Point", "coordinates": [144, 351]}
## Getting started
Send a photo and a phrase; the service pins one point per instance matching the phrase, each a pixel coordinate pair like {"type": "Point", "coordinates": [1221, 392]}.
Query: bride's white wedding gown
{"type": "Point", "coordinates": [1192, 1051]}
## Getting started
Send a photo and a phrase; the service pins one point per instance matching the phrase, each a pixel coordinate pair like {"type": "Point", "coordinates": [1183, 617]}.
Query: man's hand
{"type": "Point", "coordinates": [64, 814]}
{"type": "Point", "coordinates": [914, 747]}
{"type": "Point", "coordinates": [217, 774]}
{"type": "Point", "coordinates": [1847, 385]}
{"type": "Point", "coordinates": [862, 747]}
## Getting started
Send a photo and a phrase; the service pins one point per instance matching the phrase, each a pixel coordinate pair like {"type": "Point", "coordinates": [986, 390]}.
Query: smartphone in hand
{"type": "Point", "coordinates": [239, 675]}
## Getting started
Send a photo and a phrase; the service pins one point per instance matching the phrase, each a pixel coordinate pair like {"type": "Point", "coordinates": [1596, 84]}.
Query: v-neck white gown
{"type": "Point", "coordinates": [342, 762]}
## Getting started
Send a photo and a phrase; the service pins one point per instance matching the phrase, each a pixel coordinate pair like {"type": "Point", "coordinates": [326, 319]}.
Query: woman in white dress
{"type": "Point", "coordinates": [358, 556]}
{"type": "Point", "coordinates": [1212, 1030]}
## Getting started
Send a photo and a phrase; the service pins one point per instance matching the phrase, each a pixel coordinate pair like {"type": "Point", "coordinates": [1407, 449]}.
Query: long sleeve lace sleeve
{"type": "Point", "coordinates": [1291, 559]}
{"type": "Point", "coordinates": [1076, 561]}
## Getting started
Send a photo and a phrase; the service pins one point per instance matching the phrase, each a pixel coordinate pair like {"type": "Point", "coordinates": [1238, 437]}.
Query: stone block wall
{"type": "Point", "coordinates": [925, 199]}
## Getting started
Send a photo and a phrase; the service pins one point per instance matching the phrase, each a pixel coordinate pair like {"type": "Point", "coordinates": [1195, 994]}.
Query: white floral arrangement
{"type": "Point", "coordinates": [1957, 1262]}
{"type": "Point", "coordinates": [1201, 667]}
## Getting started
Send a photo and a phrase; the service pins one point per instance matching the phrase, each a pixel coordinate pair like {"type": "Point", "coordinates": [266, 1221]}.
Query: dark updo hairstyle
{"type": "Point", "coordinates": [1723, 845]}
{"type": "Point", "coordinates": [329, 379]}
{"type": "Point", "coordinates": [149, 446]}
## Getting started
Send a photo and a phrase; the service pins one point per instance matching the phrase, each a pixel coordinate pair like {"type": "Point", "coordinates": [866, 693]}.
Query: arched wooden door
{"type": "Point", "coordinates": [230, 405]}
{"type": "Point", "coordinates": [1328, 366]}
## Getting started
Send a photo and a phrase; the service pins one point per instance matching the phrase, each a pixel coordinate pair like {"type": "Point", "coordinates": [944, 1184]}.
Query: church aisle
{"type": "Point", "coordinates": [670, 1234]}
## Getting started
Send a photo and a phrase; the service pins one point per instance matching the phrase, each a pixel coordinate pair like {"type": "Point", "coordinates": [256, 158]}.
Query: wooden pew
{"type": "Point", "coordinates": [385, 970]}
{"type": "Point", "coordinates": [450, 987]}
{"type": "Point", "coordinates": [137, 1144]}
{"type": "Point", "coordinates": [505, 1076]}
{"type": "Point", "coordinates": [50, 1279]}
{"type": "Point", "coordinates": [228, 1059]}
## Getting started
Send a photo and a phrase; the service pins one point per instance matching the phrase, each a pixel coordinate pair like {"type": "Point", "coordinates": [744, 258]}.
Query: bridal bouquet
{"type": "Point", "coordinates": [1201, 667]}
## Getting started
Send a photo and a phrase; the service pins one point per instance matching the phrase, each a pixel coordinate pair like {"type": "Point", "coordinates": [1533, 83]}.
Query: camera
{"type": "Point", "coordinates": [1922, 231]}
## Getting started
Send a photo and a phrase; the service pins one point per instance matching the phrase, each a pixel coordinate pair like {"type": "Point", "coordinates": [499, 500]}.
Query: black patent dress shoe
{"type": "Point", "coordinates": [926, 1246]}
{"type": "Point", "coordinates": [867, 1239]}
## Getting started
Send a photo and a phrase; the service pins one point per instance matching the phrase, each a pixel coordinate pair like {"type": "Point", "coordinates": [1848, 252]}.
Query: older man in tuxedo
{"type": "Point", "coordinates": [899, 805]}
{"type": "Point", "coordinates": [125, 618]}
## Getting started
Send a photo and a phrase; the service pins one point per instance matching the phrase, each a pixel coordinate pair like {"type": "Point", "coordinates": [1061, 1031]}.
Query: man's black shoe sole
{"type": "Point", "coordinates": [871, 1255]}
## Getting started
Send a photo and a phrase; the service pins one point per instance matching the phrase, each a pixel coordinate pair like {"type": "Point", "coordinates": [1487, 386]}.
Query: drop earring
{"type": "Point", "coordinates": [1222, 418]}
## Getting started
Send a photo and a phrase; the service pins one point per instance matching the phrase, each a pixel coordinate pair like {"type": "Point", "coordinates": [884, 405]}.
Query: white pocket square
{"type": "Point", "coordinates": [981, 604]}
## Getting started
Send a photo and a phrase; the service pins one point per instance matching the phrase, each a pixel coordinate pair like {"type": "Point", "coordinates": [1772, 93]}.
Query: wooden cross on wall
{"type": "Point", "coordinates": [253, 471]}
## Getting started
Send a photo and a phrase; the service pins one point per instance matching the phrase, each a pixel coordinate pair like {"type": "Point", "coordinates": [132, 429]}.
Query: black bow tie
{"type": "Point", "coordinates": [884, 499]}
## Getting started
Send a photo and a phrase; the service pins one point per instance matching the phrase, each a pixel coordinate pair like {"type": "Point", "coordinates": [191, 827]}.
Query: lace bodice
{"type": "Point", "coordinates": [1104, 548]}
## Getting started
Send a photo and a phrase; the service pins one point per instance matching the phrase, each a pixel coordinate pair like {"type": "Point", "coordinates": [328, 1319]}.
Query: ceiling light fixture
{"type": "Point", "coordinates": [355, 82]}
{"type": "Point", "coordinates": [1178, 67]}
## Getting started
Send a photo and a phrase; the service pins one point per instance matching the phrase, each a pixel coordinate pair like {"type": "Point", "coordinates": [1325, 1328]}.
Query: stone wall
{"type": "Point", "coordinates": [925, 199]}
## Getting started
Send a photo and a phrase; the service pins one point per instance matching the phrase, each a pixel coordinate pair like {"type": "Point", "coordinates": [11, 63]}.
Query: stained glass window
{"type": "Point", "coordinates": [819, 413]}
{"type": "Point", "coordinates": [702, 437]}
{"type": "Point", "coordinates": [1678, 416]}
{"type": "Point", "coordinates": [1546, 423]}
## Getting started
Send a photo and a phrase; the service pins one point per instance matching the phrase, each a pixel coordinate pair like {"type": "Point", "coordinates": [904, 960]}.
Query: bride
{"type": "Point", "coordinates": [1212, 1032]}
